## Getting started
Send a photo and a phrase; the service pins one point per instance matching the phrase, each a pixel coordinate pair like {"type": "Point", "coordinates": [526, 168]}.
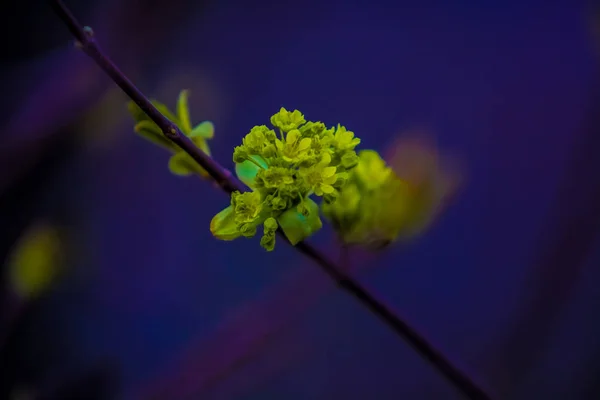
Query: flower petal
{"type": "Point", "coordinates": [326, 188]}
{"type": "Point", "coordinates": [292, 136]}
{"type": "Point", "coordinates": [223, 225]}
{"type": "Point", "coordinates": [330, 180]}
{"type": "Point", "coordinates": [304, 144]}
{"type": "Point", "coordinates": [279, 144]}
{"type": "Point", "coordinates": [325, 159]}
{"type": "Point", "coordinates": [328, 172]}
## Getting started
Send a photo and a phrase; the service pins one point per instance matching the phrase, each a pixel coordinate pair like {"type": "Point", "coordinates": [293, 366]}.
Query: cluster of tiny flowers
{"type": "Point", "coordinates": [292, 160]}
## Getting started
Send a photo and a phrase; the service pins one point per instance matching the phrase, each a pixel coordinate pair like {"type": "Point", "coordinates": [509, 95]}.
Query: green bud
{"type": "Point", "coordinates": [330, 198]}
{"type": "Point", "coordinates": [239, 154]}
{"type": "Point", "coordinates": [270, 224]}
{"type": "Point", "coordinates": [287, 120]}
{"type": "Point", "coordinates": [349, 159]}
{"type": "Point", "coordinates": [247, 230]}
{"type": "Point", "coordinates": [268, 242]}
{"type": "Point", "coordinates": [278, 203]}
{"type": "Point", "coordinates": [269, 151]}
{"type": "Point", "coordinates": [342, 179]}
{"type": "Point", "coordinates": [311, 129]}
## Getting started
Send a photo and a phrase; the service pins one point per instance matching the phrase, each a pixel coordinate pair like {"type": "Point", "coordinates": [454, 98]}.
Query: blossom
{"type": "Point", "coordinates": [283, 172]}
{"type": "Point", "coordinates": [344, 139]}
{"type": "Point", "coordinates": [287, 120]}
{"type": "Point", "coordinates": [294, 146]}
{"type": "Point", "coordinates": [383, 203]}
{"type": "Point", "coordinates": [321, 176]}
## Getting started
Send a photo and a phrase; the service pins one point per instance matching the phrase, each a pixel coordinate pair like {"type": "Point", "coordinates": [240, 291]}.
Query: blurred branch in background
{"type": "Point", "coordinates": [244, 335]}
{"type": "Point", "coordinates": [57, 92]}
{"type": "Point", "coordinates": [573, 226]}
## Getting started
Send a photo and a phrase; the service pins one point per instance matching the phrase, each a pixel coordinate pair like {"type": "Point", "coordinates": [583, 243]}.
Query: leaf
{"type": "Point", "coordinates": [164, 110]}
{"type": "Point", "coordinates": [204, 129]}
{"type": "Point", "coordinates": [298, 227]}
{"type": "Point", "coordinates": [183, 164]}
{"type": "Point", "coordinates": [201, 144]}
{"type": "Point", "coordinates": [150, 131]}
{"type": "Point", "coordinates": [223, 225]}
{"type": "Point", "coordinates": [247, 170]}
{"type": "Point", "coordinates": [183, 112]}
{"type": "Point", "coordinates": [139, 115]}
{"type": "Point", "coordinates": [136, 112]}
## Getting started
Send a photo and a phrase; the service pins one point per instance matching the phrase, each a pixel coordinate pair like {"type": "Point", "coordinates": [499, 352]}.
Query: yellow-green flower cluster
{"type": "Point", "coordinates": [380, 204]}
{"type": "Point", "coordinates": [180, 162]}
{"type": "Point", "coordinates": [284, 165]}
{"type": "Point", "coordinates": [364, 212]}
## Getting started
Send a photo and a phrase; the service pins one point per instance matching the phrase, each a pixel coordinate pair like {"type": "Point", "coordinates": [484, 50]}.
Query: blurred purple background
{"type": "Point", "coordinates": [152, 305]}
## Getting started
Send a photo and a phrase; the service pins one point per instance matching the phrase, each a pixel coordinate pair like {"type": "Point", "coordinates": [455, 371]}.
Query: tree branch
{"type": "Point", "coordinates": [87, 43]}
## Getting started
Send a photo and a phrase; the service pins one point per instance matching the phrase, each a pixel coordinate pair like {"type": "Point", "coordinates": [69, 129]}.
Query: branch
{"type": "Point", "coordinates": [87, 43]}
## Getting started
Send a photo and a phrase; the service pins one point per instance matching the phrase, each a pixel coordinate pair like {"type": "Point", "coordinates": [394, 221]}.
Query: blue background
{"type": "Point", "coordinates": [504, 283]}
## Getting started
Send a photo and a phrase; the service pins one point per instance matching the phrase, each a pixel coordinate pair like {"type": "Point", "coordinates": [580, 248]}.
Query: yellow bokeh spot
{"type": "Point", "coordinates": [35, 260]}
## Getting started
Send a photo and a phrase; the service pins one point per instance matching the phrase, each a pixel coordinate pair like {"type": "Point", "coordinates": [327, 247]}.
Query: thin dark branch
{"type": "Point", "coordinates": [227, 182]}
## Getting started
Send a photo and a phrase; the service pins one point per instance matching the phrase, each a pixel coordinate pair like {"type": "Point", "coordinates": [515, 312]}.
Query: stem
{"type": "Point", "coordinates": [229, 184]}
{"type": "Point", "coordinates": [254, 162]}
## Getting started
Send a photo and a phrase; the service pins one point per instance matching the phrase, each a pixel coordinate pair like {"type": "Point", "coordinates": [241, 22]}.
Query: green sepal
{"type": "Point", "coordinates": [183, 164]}
{"type": "Point", "coordinates": [223, 225]}
{"type": "Point", "coordinates": [151, 132]}
{"type": "Point", "coordinates": [298, 227]}
{"type": "Point", "coordinates": [247, 170]}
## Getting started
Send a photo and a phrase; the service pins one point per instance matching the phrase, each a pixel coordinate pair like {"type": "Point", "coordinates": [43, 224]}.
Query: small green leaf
{"type": "Point", "coordinates": [223, 225]}
{"type": "Point", "coordinates": [204, 129]}
{"type": "Point", "coordinates": [201, 144]}
{"type": "Point", "coordinates": [183, 112]}
{"type": "Point", "coordinates": [139, 115]}
{"type": "Point", "coordinates": [183, 164]}
{"type": "Point", "coordinates": [150, 131]}
{"type": "Point", "coordinates": [164, 110]}
{"type": "Point", "coordinates": [179, 164]}
{"type": "Point", "coordinates": [247, 170]}
{"type": "Point", "coordinates": [296, 226]}
{"type": "Point", "coordinates": [136, 112]}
